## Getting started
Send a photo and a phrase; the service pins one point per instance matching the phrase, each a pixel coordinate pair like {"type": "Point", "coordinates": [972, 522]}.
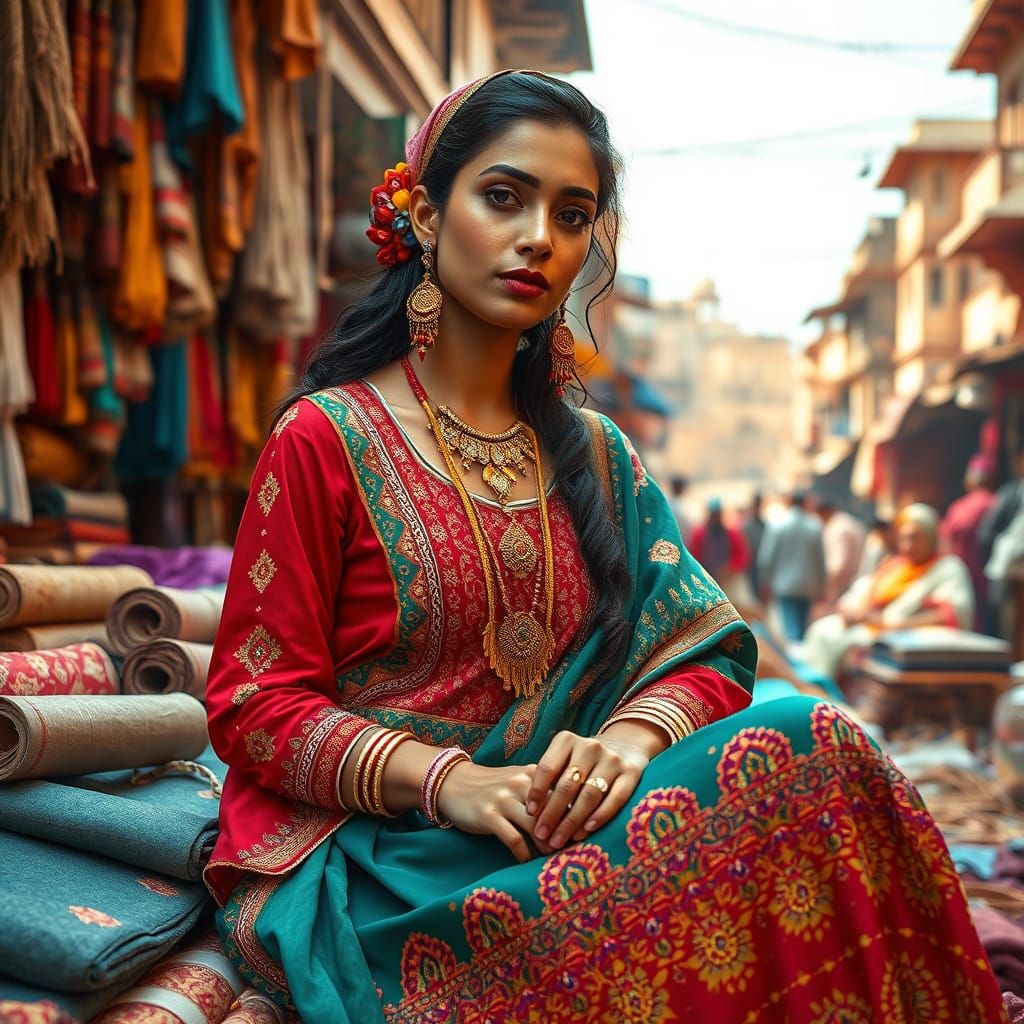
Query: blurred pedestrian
{"type": "Point", "coordinates": [720, 548]}
{"type": "Point", "coordinates": [753, 533]}
{"type": "Point", "coordinates": [916, 587]}
{"type": "Point", "coordinates": [1001, 540]}
{"type": "Point", "coordinates": [842, 536]}
{"type": "Point", "coordinates": [679, 485]}
{"type": "Point", "coordinates": [879, 544]}
{"type": "Point", "coordinates": [960, 531]}
{"type": "Point", "coordinates": [791, 566]}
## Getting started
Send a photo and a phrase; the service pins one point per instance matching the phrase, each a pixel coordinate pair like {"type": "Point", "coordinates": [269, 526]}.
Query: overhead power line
{"type": "Point", "coordinates": [870, 46]}
{"type": "Point", "coordinates": [824, 132]}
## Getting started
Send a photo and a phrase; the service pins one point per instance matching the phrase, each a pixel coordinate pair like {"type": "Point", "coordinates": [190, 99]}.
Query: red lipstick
{"type": "Point", "coordinates": [527, 283]}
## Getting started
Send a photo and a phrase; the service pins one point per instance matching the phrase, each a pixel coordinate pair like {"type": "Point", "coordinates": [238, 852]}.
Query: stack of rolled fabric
{"type": "Point", "coordinates": [108, 807]}
{"type": "Point", "coordinates": [165, 635]}
{"type": "Point", "coordinates": [67, 525]}
{"type": "Point", "coordinates": [109, 812]}
{"type": "Point", "coordinates": [50, 606]}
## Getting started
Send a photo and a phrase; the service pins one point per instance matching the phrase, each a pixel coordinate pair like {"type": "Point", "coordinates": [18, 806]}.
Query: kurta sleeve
{"type": "Point", "coordinates": [684, 701]}
{"type": "Point", "coordinates": [270, 693]}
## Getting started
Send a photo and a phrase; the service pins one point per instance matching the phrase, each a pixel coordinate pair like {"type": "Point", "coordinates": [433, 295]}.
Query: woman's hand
{"type": "Point", "coordinates": [491, 801]}
{"type": "Point", "coordinates": [580, 784]}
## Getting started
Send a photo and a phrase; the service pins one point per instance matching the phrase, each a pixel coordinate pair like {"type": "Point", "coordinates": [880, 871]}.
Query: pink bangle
{"type": "Point", "coordinates": [432, 781]}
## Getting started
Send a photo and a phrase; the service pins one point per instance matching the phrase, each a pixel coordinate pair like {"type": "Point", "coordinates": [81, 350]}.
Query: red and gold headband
{"type": "Point", "coordinates": [390, 228]}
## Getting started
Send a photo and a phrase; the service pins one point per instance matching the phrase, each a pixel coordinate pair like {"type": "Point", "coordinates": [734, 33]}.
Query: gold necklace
{"type": "Point", "coordinates": [519, 649]}
{"type": "Point", "coordinates": [500, 455]}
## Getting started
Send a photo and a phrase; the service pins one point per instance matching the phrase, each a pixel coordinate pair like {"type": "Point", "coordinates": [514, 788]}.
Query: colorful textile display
{"type": "Point", "coordinates": [168, 666]}
{"type": "Point", "coordinates": [39, 126]}
{"type": "Point", "coordinates": [35, 594]}
{"type": "Point", "coordinates": [277, 285]}
{"type": "Point", "coordinates": [44, 736]}
{"type": "Point", "coordinates": [209, 93]}
{"type": "Point", "coordinates": [45, 638]}
{"type": "Point", "coordinates": [155, 440]}
{"type": "Point", "coordinates": [17, 391]}
{"type": "Point", "coordinates": [160, 820]}
{"type": "Point", "coordinates": [140, 300]}
{"type": "Point", "coordinates": [191, 303]}
{"type": "Point", "coordinates": [59, 502]}
{"type": "Point", "coordinates": [150, 612]}
{"type": "Point", "coordinates": [161, 56]}
{"type": "Point", "coordinates": [80, 668]}
{"type": "Point", "coordinates": [79, 921]}
{"type": "Point", "coordinates": [187, 567]}
{"type": "Point", "coordinates": [50, 455]}
{"type": "Point", "coordinates": [195, 986]}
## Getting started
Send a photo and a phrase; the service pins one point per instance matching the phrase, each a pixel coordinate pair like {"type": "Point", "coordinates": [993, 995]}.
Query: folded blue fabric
{"type": "Point", "coordinates": [167, 825]}
{"type": "Point", "coordinates": [979, 860]}
{"type": "Point", "coordinates": [80, 1006]}
{"type": "Point", "coordinates": [75, 921]}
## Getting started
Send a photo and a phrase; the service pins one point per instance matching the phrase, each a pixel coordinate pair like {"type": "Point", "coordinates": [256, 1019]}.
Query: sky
{"type": "Point", "coordinates": [752, 157]}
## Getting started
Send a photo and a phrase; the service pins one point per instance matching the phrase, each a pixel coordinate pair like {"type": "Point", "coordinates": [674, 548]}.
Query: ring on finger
{"type": "Point", "coordinates": [598, 783]}
{"type": "Point", "coordinates": [574, 774]}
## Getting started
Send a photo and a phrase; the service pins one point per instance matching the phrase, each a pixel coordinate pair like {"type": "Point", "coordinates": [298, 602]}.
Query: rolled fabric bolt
{"type": "Point", "coordinates": [78, 668]}
{"type": "Point", "coordinates": [42, 594]}
{"type": "Point", "coordinates": [198, 984]}
{"type": "Point", "coordinates": [254, 1008]}
{"type": "Point", "coordinates": [167, 666]}
{"type": "Point", "coordinates": [147, 613]}
{"type": "Point", "coordinates": [42, 737]}
{"type": "Point", "coordinates": [47, 638]}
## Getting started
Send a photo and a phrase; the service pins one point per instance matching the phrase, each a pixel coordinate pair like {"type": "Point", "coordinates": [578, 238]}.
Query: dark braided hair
{"type": "Point", "coordinates": [374, 331]}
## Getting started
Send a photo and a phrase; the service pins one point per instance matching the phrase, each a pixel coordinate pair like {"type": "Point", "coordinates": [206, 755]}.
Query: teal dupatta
{"type": "Point", "coordinates": [358, 886]}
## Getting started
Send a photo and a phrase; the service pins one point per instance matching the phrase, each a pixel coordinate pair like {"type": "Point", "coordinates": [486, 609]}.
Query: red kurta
{"type": "Point", "coordinates": [353, 603]}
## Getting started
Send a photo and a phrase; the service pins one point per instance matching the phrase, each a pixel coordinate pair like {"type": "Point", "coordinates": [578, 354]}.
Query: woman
{"type": "Point", "coordinates": [406, 587]}
{"type": "Point", "coordinates": [914, 587]}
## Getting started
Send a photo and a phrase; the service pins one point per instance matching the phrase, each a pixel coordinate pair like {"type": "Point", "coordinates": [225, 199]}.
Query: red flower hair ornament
{"type": "Point", "coordinates": [390, 229]}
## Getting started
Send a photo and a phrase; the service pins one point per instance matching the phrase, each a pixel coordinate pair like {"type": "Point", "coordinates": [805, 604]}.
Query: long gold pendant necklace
{"type": "Point", "coordinates": [519, 649]}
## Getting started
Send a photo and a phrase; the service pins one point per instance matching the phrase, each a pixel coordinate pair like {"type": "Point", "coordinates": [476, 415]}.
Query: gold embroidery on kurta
{"type": "Point", "coordinates": [242, 693]}
{"type": "Point", "coordinates": [258, 652]}
{"type": "Point", "coordinates": [287, 418]}
{"type": "Point", "coordinates": [262, 571]}
{"type": "Point", "coordinates": [259, 745]}
{"type": "Point", "coordinates": [664, 551]}
{"type": "Point", "coordinates": [267, 494]}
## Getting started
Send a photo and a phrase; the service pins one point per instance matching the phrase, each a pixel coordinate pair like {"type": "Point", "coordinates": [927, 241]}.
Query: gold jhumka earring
{"type": "Point", "coordinates": [563, 354]}
{"type": "Point", "coordinates": [423, 307]}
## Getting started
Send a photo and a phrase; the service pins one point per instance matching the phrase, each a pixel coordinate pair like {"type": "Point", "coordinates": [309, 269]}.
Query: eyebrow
{"type": "Point", "coordinates": [534, 182]}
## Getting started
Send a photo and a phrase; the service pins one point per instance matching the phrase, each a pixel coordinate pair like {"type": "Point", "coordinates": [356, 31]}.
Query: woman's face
{"type": "Point", "coordinates": [915, 542]}
{"type": "Point", "coordinates": [517, 226]}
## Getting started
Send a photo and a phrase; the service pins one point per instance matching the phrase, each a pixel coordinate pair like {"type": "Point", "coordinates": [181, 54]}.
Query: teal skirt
{"type": "Point", "coordinates": [774, 866]}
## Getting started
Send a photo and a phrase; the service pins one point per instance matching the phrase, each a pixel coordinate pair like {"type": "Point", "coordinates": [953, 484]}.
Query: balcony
{"type": "Point", "coordinates": [994, 24]}
{"type": "Point", "coordinates": [993, 207]}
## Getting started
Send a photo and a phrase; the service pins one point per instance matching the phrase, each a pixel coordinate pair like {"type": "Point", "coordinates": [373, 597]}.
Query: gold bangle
{"type": "Point", "coordinates": [387, 748]}
{"type": "Point", "coordinates": [359, 772]}
{"type": "Point", "coordinates": [349, 750]}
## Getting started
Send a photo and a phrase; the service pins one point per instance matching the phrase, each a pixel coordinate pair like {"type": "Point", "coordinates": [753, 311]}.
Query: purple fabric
{"type": "Point", "coordinates": [1009, 869]}
{"type": "Point", "coordinates": [187, 568]}
{"type": "Point", "coordinates": [1003, 940]}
